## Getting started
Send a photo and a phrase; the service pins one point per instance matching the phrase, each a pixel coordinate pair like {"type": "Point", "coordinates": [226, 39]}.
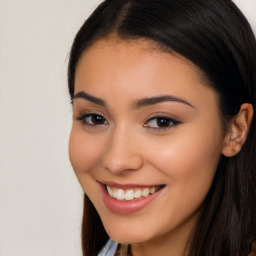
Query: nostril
{"type": "Point", "coordinates": [121, 153]}
{"type": "Point", "coordinates": [123, 162]}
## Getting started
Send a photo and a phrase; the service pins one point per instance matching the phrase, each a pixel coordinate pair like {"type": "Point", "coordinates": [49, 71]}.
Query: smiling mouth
{"type": "Point", "coordinates": [132, 194]}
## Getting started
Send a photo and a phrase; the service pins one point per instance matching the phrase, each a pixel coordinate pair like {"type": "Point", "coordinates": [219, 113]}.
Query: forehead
{"type": "Point", "coordinates": [138, 68]}
{"type": "Point", "coordinates": [131, 49]}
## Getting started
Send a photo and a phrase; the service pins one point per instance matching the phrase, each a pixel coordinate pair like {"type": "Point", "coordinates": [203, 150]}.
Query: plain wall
{"type": "Point", "coordinates": [40, 198]}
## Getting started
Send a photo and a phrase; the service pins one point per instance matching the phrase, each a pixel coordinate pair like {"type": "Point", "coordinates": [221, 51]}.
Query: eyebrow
{"type": "Point", "coordinates": [138, 103]}
{"type": "Point", "coordinates": [158, 99]}
{"type": "Point", "coordinates": [90, 98]}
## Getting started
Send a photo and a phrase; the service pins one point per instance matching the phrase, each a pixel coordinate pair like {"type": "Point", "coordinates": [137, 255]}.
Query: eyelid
{"type": "Point", "coordinates": [172, 120]}
{"type": "Point", "coordinates": [82, 117]}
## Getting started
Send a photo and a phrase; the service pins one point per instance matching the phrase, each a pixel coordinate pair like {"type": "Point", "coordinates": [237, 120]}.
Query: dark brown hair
{"type": "Point", "coordinates": [217, 38]}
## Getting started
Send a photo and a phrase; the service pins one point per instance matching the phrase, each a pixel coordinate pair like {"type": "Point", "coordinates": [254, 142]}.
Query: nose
{"type": "Point", "coordinates": [122, 153]}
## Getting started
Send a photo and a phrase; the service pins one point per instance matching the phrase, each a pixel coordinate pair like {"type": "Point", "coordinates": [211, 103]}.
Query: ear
{"type": "Point", "coordinates": [238, 131]}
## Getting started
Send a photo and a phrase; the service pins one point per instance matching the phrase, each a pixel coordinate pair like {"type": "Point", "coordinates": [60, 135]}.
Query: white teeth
{"type": "Point", "coordinates": [153, 190]}
{"type": "Point", "coordinates": [130, 194]}
{"type": "Point", "coordinates": [114, 194]}
{"type": "Point", "coordinates": [110, 191]}
{"type": "Point", "coordinates": [120, 194]}
{"type": "Point", "coordinates": [137, 194]}
{"type": "Point", "coordinates": [145, 192]}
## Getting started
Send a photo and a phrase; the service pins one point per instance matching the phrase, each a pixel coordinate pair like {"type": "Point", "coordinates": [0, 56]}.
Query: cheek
{"type": "Point", "coordinates": [84, 151]}
{"type": "Point", "coordinates": [189, 162]}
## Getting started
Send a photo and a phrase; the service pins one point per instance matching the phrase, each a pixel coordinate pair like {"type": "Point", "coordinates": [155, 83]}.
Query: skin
{"type": "Point", "coordinates": [130, 148]}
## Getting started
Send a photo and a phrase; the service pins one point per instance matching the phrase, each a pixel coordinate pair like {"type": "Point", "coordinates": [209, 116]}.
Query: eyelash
{"type": "Point", "coordinates": [83, 118]}
{"type": "Point", "coordinates": [170, 121]}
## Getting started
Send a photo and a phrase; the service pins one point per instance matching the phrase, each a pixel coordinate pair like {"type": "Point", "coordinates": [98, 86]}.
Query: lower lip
{"type": "Point", "coordinates": [126, 207]}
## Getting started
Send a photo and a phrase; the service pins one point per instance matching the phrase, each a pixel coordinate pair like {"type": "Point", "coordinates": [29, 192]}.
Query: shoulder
{"type": "Point", "coordinates": [109, 249]}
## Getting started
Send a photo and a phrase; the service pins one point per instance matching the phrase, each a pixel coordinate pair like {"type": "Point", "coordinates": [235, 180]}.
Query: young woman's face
{"type": "Point", "coordinates": [146, 128]}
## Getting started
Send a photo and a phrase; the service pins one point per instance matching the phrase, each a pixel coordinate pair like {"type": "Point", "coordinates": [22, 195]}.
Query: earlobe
{"type": "Point", "coordinates": [238, 131]}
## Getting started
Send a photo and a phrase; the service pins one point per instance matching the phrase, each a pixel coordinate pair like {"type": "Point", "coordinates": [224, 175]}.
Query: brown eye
{"type": "Point", "coordinates": [93, 119]}
{"type": "Point", "coordinates": [161, 122]}
{"type": "Point", "coordinates": [97, 119]}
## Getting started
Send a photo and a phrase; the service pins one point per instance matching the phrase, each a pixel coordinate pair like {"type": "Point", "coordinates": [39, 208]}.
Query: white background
{"type": "Point", "coordinates": [40, 198]}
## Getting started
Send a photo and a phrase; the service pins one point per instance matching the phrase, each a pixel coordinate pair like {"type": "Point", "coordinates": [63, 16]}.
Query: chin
{"type": "Point", "coordinates": [125, 233]}
{"type": "Point", "coordinates": [128, 238]}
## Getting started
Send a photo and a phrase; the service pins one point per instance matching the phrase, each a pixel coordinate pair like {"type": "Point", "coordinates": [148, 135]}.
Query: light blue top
{"type": "Point", "coordinates": [109, 249]}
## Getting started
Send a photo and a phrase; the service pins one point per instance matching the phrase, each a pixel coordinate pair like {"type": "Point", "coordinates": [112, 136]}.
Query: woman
{"type": "Point", "coordinates": [163, 137]}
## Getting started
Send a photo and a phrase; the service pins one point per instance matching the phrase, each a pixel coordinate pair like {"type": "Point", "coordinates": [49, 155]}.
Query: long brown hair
{"type": "Point", "coordinates": [217, 38]}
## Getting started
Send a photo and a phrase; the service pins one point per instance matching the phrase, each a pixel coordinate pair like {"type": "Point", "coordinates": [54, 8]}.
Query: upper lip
{"type": "Point", "coordinates": [127, 185]}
